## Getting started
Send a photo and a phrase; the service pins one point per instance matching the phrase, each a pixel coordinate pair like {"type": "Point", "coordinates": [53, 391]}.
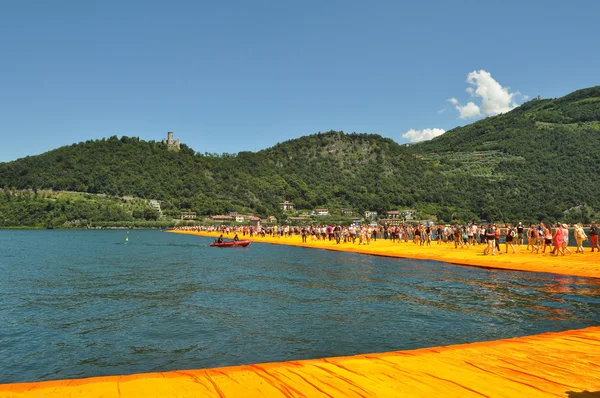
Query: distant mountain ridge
{"type": "Point", "coordinates": [538, 161]}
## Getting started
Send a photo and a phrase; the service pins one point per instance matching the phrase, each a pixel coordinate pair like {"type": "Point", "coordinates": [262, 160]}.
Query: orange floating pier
{"type": "Point", "coordinates": [586, 265]}
{"type": "Point", "coordinates": [565, 364]}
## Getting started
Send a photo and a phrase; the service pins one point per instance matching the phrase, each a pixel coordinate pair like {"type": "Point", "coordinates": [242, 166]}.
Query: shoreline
{"type": "Point", "coordinates": [73, 229]}
{"type": "Point", "coordinates": [580, 265]}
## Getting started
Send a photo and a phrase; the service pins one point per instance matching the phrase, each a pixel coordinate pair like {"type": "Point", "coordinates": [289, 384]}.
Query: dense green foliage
{"type": "Point", "coordinates": [72, 210]}
{"type": "Point", "coordinates": [536, 162]}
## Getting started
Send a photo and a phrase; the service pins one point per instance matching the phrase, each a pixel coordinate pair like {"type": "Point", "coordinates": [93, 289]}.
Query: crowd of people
{"type": "Point", "coordinates": [537, 237]}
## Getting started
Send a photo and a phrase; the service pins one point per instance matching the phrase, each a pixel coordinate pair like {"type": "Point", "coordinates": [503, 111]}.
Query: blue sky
{"type": "Point", "coordinates": [238, 75]}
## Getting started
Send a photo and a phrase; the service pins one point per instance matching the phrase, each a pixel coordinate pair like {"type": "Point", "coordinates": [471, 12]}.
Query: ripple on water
{"type": "Point", "coordinates": [82, 303]}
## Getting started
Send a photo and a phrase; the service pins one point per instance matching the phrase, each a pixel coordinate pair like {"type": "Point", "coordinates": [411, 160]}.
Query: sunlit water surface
{"type": "Point", "coordinates": [88, 303]}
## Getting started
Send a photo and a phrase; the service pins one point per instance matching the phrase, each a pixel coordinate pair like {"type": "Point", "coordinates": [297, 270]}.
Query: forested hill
{"type": "Point", "coordinates": [359, 171]}
{"type": "Point", "coordinates": [538, 161]}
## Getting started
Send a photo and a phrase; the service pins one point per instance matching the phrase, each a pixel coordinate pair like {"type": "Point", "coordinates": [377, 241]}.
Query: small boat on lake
{"type": "Point", "coordinates": [239, 243]}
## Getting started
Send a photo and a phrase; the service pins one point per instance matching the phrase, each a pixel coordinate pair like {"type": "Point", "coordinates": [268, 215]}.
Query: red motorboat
{"type": "Point", "coordinates": [239, 243]}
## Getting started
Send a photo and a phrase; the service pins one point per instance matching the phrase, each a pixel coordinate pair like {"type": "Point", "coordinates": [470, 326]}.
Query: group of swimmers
{"type": "Point", "coordinates": [540, 236]}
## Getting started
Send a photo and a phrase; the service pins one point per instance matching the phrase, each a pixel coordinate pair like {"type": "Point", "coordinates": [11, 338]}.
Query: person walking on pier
{"type": "Point", "coordinates": [520, 237]}
{"type": "Point", "coordinates": [337, 233]}
{"type": "Point", "coordinates": [491, 241]}
{"type": "Point", "coordinates": [594, 237]}
{"type": "Point", "coordinates": [580, 236]}
{"type": "Point", "coordinates": [510, 237]}
{"type": "Point", "coordinates": [557, 239]}
{"type": "Point", "coordinates": [565, 242]}
{"type": "Point", "coordinates": [497, 238]}
{"type": "Point", "coordinates": [547, 234]}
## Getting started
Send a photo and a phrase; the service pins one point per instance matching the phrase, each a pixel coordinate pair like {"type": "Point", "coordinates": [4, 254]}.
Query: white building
{"type": "Point", "coordinates": [393, 214]}
{"type": "Point", "coordinates": [408, 214]}
{"type": "Point", "coordinates": [287, 206]}
{"type": "Point", "coordinates": [188, 215]}
{"type": "Point", "coordinates": [370, 214]}
{"type": "Point", "coordinates": [155, 204]}
{"type": "Point", "coordinates": [321, 212]}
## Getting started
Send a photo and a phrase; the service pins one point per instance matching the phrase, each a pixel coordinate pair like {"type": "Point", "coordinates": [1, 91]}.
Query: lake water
{"type": "Point", "coordinates": [84, 303]}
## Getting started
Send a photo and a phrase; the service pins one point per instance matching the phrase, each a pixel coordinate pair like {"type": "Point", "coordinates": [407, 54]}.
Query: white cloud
{"type": "Point", "coordinates": [422, 135]}
{"type": "Point", "coordinates": [469, 110]}
{"type": "Point", "coordinates": [495, 99]}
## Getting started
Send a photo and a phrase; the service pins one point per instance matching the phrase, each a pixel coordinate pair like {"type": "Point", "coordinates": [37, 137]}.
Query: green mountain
{"type": "Point", "coordinates": [535, 162]}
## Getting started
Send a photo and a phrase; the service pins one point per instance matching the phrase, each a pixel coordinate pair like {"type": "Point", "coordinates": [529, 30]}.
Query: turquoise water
{"type": "Point", "coordinates": [84, 303]}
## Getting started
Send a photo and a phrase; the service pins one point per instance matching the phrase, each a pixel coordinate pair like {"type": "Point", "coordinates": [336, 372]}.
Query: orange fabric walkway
{"type": "Point", "coordinates": [587, 264]}
{"type": "Point", "coordinates": [563, 364]}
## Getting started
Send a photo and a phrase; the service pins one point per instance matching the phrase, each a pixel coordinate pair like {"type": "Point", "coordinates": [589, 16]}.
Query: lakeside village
{"type": "Point", "coordinates": [400, 226]}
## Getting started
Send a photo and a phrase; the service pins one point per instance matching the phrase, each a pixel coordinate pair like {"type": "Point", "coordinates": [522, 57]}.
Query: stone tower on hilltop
{"type": "Point", "coordinates": [171, 143]}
